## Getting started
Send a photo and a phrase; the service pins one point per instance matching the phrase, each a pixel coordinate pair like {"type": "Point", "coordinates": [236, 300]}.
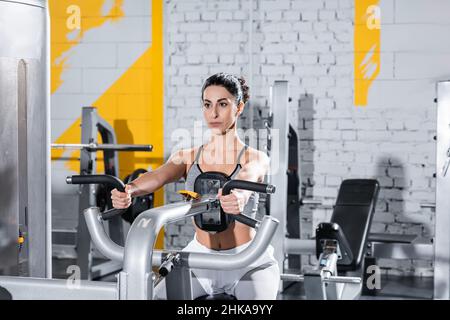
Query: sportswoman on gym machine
{"type": "Point", "coordinates": [206, 168]}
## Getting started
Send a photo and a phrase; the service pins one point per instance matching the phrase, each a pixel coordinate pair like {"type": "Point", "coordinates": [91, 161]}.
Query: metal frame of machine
{"type": "Point", "coordinates": [25, 159]}
{"type": "Point", "coordinates": [136, 280]}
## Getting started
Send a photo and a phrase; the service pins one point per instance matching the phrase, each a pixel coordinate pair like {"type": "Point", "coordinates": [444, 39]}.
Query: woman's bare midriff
{"type": "Point", "coordinates": [236, 235]}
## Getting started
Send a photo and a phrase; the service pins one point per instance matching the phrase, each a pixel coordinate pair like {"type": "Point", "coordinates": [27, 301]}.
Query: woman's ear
{"type": "Point", "coordinates": [240, 108]}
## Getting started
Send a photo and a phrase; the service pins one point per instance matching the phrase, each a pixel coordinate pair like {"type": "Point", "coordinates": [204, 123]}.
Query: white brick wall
{"type": "Point", "coordinates": [310, 43]}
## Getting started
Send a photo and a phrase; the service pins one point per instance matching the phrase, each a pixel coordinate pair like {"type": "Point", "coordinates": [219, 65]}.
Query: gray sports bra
{"type": "Point", "coordinates": [250, 208]}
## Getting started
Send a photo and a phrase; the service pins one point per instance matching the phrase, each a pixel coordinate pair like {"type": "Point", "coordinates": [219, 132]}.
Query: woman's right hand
{"type": "Point", "coordinates": [121, 200]}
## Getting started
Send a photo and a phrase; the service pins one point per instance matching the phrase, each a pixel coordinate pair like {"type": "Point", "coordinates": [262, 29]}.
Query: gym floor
{"type": "Point", "coordinates": [392, 287]}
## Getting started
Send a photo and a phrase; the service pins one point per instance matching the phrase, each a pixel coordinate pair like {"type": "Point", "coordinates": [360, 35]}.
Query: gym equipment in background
{"type": "Point", "coordinates": [379, 245]}
{"type": "Point", "coordinates": [91, 195]}
{"type": "Point", "coordinates": [341, 244]}
{"type": "Point", "coordinates": [25, 198]}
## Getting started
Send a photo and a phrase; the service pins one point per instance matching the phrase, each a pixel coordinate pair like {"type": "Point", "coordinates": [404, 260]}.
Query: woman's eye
{"type": "Point", "coordinates": [223, 104]}
{"type": "Point", "coordinates": [206, 105]}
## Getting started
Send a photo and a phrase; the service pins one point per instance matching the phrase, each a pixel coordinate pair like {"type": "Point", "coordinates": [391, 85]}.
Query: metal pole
{"type": "Point", "coordinates": [48, 192]}
{"type": "Point", "coordinates": [251, 113]}
{"type": "Point", "coordinates": [278, 165]}
{"type": "Point", "coordinates": [102, 147]}
{"type": "Point", "coordinates": [332, 279]}
{"type": "Point", "coordinates": [442, 223]}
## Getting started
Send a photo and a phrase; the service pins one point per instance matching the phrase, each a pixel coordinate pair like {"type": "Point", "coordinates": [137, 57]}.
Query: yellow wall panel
{"type": "Point", "coordinates": [133, 104]}
{"type": "Point", "coordinates": [366, 48]}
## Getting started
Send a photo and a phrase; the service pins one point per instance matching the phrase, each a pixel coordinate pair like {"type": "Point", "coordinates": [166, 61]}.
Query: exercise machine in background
{"type": "Point", "coordinates": [377, 245]}
{"type": "Point", "coordinates": [80, 247]}
{"type": "Point", "coordinates": [25, 198]}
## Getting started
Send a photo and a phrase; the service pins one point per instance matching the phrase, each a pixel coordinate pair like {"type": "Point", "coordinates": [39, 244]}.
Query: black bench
{"type": "Point", "coordinates": [350, 222]}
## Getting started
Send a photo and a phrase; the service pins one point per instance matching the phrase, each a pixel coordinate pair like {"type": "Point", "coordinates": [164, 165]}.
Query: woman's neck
{"type": "Point", "coordinates": [227, 141]}
{"type": "Point", "coordinates": [221, 149]}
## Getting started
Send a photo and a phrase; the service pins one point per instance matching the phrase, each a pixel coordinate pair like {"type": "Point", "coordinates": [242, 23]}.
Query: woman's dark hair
{"type": "Point", "coordinates": [236, 86]}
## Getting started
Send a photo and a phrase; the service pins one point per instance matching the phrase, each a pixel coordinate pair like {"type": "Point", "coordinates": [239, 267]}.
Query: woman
{"type": "Point", "coordinates": [223, 97]}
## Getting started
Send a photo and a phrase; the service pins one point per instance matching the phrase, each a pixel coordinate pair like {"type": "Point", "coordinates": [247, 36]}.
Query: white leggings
{"type": "Point", "coordinates": [258, 281]}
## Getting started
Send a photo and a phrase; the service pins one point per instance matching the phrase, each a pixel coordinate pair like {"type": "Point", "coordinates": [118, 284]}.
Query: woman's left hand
{"type": "Point", "coordinates": [233, 203]}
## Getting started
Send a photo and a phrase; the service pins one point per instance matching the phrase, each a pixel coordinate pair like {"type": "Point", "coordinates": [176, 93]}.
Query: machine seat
{"type": "Point", "coordinates": [353, 213]}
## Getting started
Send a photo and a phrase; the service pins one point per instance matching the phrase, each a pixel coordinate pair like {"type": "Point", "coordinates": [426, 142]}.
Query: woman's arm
{"type": "Point", "coordinates": [255, 169]}
{"type": "Point", "coordinates": [149, 182]}
{"type": "Point", "coordinates": [171, 171]}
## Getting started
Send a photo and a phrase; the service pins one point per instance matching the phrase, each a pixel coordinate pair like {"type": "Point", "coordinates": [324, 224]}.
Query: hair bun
{"type": "Point", "coordinates": [245, 90]}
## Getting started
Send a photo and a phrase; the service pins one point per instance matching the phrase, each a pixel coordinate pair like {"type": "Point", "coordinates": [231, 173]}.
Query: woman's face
{"type": "Point", "coordinates": [220, 109]}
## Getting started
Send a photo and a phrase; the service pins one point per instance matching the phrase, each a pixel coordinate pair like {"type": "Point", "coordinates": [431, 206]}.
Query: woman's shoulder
{"type": "Point", "coordinates": [252, 154]}
{"type": "Point", "coordinates": [186, 155]}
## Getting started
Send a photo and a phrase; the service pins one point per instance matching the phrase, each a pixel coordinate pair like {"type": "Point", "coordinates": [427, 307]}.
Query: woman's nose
{"type": "Point", "coordinates": [214, 112]}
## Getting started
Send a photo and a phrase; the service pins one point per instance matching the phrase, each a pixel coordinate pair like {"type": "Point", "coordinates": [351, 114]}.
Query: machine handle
{"type": "Point", "coordinates": [111, 213]}
{"type": "Point", "coordinates": [242, 218]}
{"type": "Point", "coordinates": [247, 185]}
{"type": "Point", "coordinates": [109, 180]}
{"type": "Point", "coordinates": [97, 179]}
{"type": "Point", "coordinates": [251, 186]}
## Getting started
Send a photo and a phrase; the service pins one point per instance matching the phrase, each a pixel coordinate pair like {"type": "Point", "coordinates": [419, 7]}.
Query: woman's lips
{"type": "Point", "coordinates": [214, 124]}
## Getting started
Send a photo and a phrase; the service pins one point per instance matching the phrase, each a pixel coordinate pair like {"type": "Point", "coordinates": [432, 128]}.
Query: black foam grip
{"type": "Point", "coordinates": [246, 220]}
{"type": "Point", "coordinates": [247, 185]}
{"type": "Point", "coordinates": [111, 213]}
{"type": "Point", "coordinates": [97, 179]}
